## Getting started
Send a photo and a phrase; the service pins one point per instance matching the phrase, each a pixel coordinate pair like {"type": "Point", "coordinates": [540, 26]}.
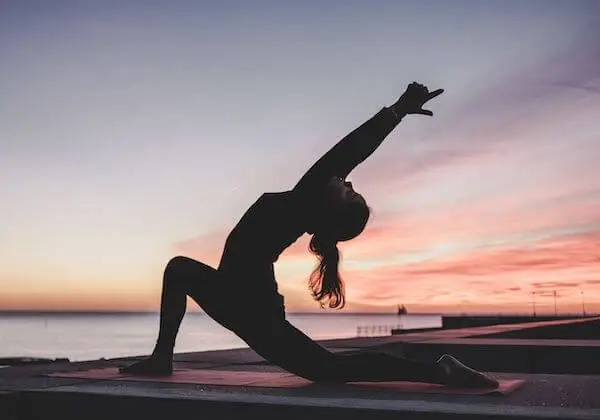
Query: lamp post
{"type": "Point", "coordinates": [533, 303]}
{"type": "Point", "coordinates": [555, 313]}
{"type": "Point", "coordinates": [582, 304]}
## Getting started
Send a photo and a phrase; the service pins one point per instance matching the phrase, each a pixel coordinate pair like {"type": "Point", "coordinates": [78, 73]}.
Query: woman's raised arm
{"type": "Point", "coordinates": [357, 146]}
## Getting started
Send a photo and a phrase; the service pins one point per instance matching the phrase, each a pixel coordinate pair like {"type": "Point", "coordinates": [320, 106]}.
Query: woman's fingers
{"type": "Point", "coordinates": [435, 93]}
{"type": "Point", "coordinates": [415, 96]}
{"type": "Point", "coordinates": [430, 96]}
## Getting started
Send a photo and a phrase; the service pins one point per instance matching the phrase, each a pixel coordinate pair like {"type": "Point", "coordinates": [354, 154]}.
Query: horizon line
{"type": "Point", "coordinates": [156, 312]}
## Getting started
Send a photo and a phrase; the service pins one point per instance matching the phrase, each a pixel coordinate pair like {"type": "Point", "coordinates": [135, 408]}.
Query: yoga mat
{"type": "Point", "coordinates": [282, 380]}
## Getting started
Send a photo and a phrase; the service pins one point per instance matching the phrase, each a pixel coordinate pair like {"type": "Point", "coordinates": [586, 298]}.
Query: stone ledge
{"type": "Point", "coordinates": [149, 404]}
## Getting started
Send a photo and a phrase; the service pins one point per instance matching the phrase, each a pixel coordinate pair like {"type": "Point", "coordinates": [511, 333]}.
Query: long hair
{"type": "Point", "coordinates": [325, 281]}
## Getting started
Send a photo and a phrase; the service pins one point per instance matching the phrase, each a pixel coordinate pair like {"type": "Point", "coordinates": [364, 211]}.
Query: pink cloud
{"type": "Point", "coordinates": [567, 264]}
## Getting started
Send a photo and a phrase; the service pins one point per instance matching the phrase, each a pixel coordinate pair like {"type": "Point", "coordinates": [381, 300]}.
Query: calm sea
{"type": "Point", "coordinates": [92, 336]}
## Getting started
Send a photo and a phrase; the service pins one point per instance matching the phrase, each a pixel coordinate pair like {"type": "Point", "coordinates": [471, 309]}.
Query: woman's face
{"type": "Point", "coordinates": [340, 192]}
{"type": "Point", "coordinates": [342, 213]}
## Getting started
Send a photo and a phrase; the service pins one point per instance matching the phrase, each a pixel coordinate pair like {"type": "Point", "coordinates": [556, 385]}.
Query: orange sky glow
{"type": "Point", "coordinates": [127, 141]}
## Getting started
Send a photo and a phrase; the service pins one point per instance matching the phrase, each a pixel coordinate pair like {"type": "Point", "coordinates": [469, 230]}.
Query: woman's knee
{"type": "Point", "coordinates": [315, 365]}
{"type": "Point", "coordinates": [326, 371]}
{"type": "Point", "coordinates": [177, 263]}
{"type": "Point", "coordinates": [319, 374]}
{"type": "Point", "coordinates": [180, 265]}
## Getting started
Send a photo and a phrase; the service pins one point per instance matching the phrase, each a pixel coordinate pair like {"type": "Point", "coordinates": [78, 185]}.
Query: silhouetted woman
{"type": "Point", "coordinates": [242, 293]}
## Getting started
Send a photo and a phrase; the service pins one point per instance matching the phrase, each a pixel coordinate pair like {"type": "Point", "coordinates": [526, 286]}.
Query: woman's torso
{"type": "Point", "coordinates": [269, 226]}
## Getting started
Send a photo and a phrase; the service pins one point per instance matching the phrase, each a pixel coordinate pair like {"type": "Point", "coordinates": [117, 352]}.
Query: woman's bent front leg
{"type": "Point", "coordinates": [182, 277]}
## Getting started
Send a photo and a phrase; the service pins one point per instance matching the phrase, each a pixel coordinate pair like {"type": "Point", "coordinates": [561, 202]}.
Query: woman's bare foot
{"type": "Point", "coordinates": [461, 376]}
{"type": "Point", "coordinates": [152, 366]}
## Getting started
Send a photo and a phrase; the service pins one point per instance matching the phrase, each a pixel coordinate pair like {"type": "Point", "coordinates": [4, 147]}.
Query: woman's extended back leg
{"type": "Point", "coordinates": [288, 347]}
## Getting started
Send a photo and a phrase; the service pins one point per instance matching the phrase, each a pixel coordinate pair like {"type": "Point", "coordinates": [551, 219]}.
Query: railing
{"type": "Point", "coordinates": [385, 330]}
{"type": "Point", "coordinates": [375, 330]}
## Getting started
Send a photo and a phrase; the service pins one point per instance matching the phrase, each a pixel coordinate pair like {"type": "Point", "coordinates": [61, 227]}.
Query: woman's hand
{"type": "Point", "coordinates": [413, 99]}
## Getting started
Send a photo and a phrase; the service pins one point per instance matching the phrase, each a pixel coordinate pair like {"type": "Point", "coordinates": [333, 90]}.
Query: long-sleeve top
{"type": "Point", "coordinates": [277, 220]}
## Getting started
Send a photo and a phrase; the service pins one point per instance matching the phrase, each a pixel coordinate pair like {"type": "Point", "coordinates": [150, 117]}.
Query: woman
{"type": "Point", "coordinates": [242, 295]}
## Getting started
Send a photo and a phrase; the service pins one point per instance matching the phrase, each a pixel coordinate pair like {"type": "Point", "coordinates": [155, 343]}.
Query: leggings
{"type": "Point", "coordinates": [270, 335]}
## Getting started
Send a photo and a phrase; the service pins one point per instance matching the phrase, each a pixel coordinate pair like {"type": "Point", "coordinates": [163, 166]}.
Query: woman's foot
{"type": "Point", "coordinates": [460, 376]}
{"type": "Point", "coordinates": [152, 366]}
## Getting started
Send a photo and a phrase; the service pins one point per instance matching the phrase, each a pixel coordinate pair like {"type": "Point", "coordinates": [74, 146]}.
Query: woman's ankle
{"type": "Point", "coordinates": [163, 353]}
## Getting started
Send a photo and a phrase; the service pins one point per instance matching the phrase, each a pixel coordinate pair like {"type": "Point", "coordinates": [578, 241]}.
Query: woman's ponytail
{"type": "Point", "coordinates": [325, 282]}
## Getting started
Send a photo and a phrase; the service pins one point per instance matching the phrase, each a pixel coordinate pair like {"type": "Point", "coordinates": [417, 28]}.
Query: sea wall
{"type": "Point", "coordinates": [581, 331]}
{"type": "Point", "coordinates": [468, 321]}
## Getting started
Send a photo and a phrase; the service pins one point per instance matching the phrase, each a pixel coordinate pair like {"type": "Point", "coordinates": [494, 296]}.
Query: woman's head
{"type": "Point", "coordinates": [342, 215]}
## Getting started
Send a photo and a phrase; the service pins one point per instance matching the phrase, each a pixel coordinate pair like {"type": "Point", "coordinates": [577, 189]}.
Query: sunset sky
{"type": "Point", "coordinates": [134, 131]}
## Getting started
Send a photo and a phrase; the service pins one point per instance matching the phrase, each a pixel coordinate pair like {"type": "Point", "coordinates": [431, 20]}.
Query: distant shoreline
{"type": "Point", "coordinates": [132, 313]}
{"type": "Point", "coordinates": [46, 312]}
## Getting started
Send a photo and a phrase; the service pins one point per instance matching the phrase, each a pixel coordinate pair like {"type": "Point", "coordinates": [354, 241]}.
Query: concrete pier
{"type": "Point", "coordinates": [557, 383]}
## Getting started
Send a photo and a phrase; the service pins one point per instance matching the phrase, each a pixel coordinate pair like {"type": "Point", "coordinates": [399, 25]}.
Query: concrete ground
{"type": "Point", "coordinates": [26, 392]}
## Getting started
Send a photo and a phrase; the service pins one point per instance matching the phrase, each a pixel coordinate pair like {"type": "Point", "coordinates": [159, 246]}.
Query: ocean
{"type": "Point", "coordinates": [92, 336]}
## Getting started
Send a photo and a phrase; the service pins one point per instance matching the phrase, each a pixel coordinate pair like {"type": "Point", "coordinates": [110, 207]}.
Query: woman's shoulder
{"type": "Point", "coordinates": [278, 195]}
{"type": "Point", "coordinates": [278, 199]}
